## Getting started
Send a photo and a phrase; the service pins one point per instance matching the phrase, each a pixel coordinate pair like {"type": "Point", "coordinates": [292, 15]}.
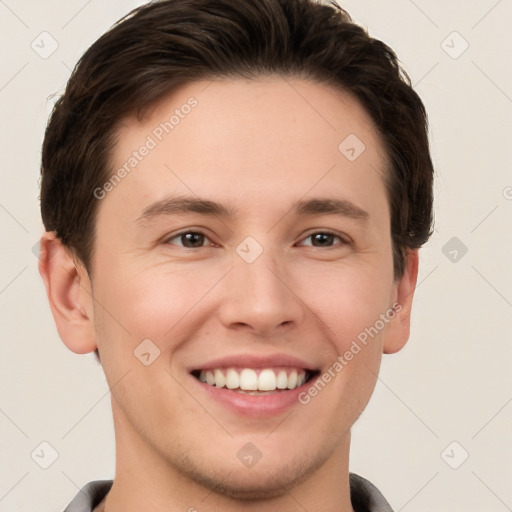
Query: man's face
{"type": "Point", "coordinates": [260, 283]}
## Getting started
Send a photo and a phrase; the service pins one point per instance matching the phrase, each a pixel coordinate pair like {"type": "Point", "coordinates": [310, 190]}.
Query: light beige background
{"type": "Point", "coordinates": [453, 381]}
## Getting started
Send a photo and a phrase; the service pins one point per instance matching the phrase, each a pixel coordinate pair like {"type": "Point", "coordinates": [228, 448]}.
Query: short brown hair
{"type": "Point", "coordinates": [164, 44]}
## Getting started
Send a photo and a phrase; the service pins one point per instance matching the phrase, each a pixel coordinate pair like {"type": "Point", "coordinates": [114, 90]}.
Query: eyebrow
{"type": "Point", "coordinates": [177, 205]}
{"type": "Point", "coordinates": [183, 205]}
{"type": "Point", "coordinates": [330, 207]}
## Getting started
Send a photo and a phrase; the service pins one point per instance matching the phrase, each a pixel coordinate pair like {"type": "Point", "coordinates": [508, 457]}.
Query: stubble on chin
{"type": "Point", "coordinates": [260, 485]}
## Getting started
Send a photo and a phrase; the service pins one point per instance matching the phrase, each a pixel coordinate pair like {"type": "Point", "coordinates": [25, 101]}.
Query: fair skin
{"type": "Point", "coordinates": [256, 148]}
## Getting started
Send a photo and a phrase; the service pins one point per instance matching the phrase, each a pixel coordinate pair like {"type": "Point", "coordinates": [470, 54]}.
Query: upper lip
{"type": "Point", "coordinates": [255, 361]}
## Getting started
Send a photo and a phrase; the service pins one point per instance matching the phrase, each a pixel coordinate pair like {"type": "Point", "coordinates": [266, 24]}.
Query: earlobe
{"type": "Point", "coordinates": [398, 330]}
{"type": "Point", "coordinates": [68, 291]}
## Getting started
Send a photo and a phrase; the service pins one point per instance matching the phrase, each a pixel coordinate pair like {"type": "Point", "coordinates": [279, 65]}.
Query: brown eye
{"type": "Point", "coordinates": [189, 239]}
{"type": "Point", "coordinates": [323, 239]}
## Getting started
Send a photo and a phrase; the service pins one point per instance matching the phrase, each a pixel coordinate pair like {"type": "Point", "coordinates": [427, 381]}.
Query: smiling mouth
{"type": "Point", "coordinates": [255, 381]}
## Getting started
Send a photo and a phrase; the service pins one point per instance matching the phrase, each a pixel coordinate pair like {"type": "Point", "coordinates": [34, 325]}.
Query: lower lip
{"type": "Point", "coordinates": [255, 405]}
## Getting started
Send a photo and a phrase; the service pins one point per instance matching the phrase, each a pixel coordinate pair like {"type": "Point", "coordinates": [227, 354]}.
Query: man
{"type": "Point", "coordinates": [234, 195]}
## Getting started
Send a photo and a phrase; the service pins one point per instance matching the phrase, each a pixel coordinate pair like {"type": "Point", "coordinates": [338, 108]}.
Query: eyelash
{"type": "Point", "coordinates": [343, 239]}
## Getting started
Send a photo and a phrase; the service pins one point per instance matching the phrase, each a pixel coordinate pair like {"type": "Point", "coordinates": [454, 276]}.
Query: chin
{"type": "Point", "coordinates": [256, 483]}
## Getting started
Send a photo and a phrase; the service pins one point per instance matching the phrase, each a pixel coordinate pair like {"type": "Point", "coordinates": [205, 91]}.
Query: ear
{"type": "Point", "coordinates": [69, 292]}
{"type": "Point", "coordinates": [398, 329]}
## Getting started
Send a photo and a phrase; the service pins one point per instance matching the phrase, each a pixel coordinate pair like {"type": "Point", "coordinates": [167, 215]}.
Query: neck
{"type": "Point", "coordinates": [145, 479]}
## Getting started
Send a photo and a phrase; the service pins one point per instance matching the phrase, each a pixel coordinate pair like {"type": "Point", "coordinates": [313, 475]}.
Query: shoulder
{"type": "Point", "coordinates": [366, 497]}
{"type": "Point", "coordinates": [89, 496]}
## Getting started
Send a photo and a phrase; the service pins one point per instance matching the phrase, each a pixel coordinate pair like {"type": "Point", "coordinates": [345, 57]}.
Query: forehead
{"type": "Point", "coordinates": [244, 140]}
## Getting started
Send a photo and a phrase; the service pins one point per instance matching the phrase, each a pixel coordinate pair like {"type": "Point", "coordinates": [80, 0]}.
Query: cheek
{"type": "Point", "coordinates": [348, 304]}
{"type": "Point", "coordinates": [348, 301]}
{"type": "Point", "coordinates": [152, 303]}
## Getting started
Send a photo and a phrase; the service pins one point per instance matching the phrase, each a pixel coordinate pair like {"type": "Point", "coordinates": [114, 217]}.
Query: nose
{"type": "Point", "coordinates": [259, 298]}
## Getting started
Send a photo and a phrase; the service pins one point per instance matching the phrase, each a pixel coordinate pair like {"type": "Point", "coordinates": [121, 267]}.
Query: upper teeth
{"type": "Point", "coordinates": [248, 379]}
